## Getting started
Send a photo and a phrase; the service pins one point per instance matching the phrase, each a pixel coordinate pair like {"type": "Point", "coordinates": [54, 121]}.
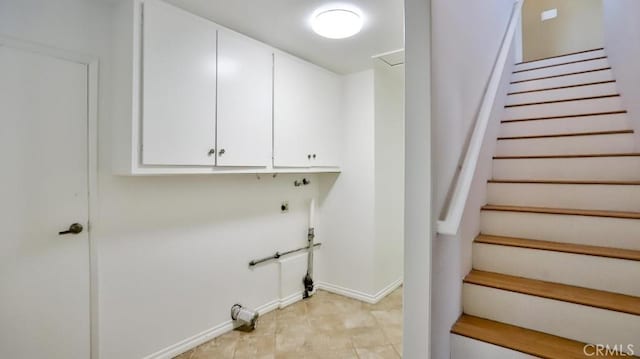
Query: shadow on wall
{"type": "Point", "coordinates": [578, 26]}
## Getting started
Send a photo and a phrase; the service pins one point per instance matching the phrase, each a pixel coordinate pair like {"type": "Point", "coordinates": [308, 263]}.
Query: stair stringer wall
{"type": "Point", "coordinates": [452, 258]}
{"type": "Point", "coordinates": [622, 44]}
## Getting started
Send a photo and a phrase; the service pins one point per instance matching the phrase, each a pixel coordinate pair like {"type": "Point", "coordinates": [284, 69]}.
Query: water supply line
{"type": "Point", "coordinates": [279, 255]}
{"type": "Point", "coordinates": [307, 281]}
{"type": "Point", "coordinates": [308, 278]}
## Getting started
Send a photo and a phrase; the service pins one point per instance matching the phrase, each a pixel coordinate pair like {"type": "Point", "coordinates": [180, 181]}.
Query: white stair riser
{"type": "Point", "coordinates": [584, 168]}
{"type": "Point", "coordinates": [570, 80]}
{"type": "Point", "coordinates": [608, 88]}
{"type": "Point", "coordinates": [566, 125]}
{"type": "Point", "coordinates": [607, 274]}
{"type": "Point", "coordinates": [594, 231]}
{"type": "Point", "coordinates": [560, 60]}
{"type": "Point", "coordinates": [560, 70]}
{"type": "Point", "coordinates": [465, 348]}
{"type": "Point", "coordinates": [576, 196]}
{"type": "Point", "coordinates": [571, 145]}
{"type": "Point", "coordinates": [564, 319]}
{"type": "Point", "coordinates": [565, 108]}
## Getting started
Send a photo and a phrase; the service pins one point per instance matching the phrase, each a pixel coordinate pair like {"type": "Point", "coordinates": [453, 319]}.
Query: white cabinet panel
{"type": "Point", "coordinates": [179, 87]}
{"type": "Point", "coordinates": [326, 124]}
{"type": "Point", "coordinates": [306, 114]}
{"type": "Point", "coordinates": [291, 103]}
{"type": "Point", "coordinates": [245, 95]}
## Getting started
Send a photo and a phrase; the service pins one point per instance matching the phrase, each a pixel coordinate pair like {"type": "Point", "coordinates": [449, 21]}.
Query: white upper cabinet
{"type": "Point", "coordinates": [245, 98]}
{"type": "Point", "coordinates": [307, 103]}
{"type": "Point", "coordinates": [178, 87]}
{"type": "Point", "coordinates": [194, 97]}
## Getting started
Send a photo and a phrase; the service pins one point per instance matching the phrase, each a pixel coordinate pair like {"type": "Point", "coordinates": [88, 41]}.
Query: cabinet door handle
{"type": "Point", "coordinates": [221, 152]}
{"type": "Point", "coordinates": [309, 156]}
{"type": "Point", "coordinates": [314, 156]}
{"type": "Point", "coordinates": [212, 152]}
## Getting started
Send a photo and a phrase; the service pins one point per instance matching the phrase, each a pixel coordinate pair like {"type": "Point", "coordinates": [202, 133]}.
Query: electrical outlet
{"type": "Point", "coordinates": [284, 207]}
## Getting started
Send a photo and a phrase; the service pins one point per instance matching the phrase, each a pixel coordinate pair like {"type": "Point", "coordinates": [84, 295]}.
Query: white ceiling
{"type": "Point", "coordinates": [285, 24]}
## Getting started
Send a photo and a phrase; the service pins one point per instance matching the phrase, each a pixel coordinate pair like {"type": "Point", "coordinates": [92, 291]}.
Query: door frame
{"type": "Point", "coordinates": [92, 65]}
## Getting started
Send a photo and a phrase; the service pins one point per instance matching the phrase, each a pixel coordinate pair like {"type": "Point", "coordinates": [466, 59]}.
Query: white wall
{"type": "Point", "coordinates": [389, 173]}
{"type": "Point", "coordinates": [420, 219]}
{"type": "Point", "coordinates": [454, 253]}
{"type": "Point", "coordinates": [578, 27]}
{"type": "Point", "coordinates": [363, 207]}
{"type": "Point", "coordinates": [462, 63]}
{"type": "Point", "coordinates": [348, 205]}
{"type": "Point", "coordinates": [174, 253]}
{"type": "Point", "coordinates": [622, 44]}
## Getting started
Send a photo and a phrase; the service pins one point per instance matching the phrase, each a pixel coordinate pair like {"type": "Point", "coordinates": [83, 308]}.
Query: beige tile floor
{"type": "Point", "coordinates": [326, 326]}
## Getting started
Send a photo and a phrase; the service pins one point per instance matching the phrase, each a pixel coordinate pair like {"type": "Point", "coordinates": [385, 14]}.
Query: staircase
{"type": "Point", "coordinates": [557, 264]}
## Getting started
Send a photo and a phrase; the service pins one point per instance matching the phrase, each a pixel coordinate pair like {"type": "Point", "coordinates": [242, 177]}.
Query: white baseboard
{"type": "Point", "coordinates": [293, 298]}
{"type": "Point", "coordinates": [227, 326]}
{"type": "Point", "coordinates": [358, 295]}
{"type": "Point", "coordinates": [209, 334]}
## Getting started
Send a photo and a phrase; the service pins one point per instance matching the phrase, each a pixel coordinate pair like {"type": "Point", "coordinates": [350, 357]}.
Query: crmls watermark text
{"type": "Point", "coordinates": [603, 350]}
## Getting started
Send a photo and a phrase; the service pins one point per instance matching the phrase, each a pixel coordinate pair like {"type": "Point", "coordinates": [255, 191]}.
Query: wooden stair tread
{"type": "Point", "coordinates": [562, 87]}
{"type": "Point", "coordinates": [586, 155]}
{"type": "Point", "coordinates": [563, 211]}
{"type": "Point", "coordinates": [562, 292]}
{"type": "Point", "coordinates": [607, 113]}
{"type": "Point", "coordinates": [563, 55]}
{"type": "Point", "coordinates": [562, 75]}
{"type": "Point", "coordinates": [607, 252]}
{"type": "Point", "coordinates": [575, 134]}
{"type": "Point", "coordinates": [560, 64]}
{"type": "Point", "coordinates": [563, 100]}
{"type": "Point", "coordinates": [520, 339]}
{"type": "Point", "coordinates": [568, 182]}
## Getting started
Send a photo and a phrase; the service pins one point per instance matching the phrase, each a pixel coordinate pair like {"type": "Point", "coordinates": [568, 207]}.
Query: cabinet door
{"type": "Point", "coordinates": [327, 120]}
{"type": "Point", "coordinates": [307, 114]}
{"type": "Point", "coordinates": [293, 104]}
{"type": "Point", "coordinates": [179, 87]}
{"type": "Point", "coordinates": [245, 98]}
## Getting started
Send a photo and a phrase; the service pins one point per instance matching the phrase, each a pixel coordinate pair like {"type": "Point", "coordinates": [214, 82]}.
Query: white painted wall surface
{"type": "Point", "coordinates": [389, 173]}
{"type": "Point", "coordinates": [420, 218]}
{"type": "Point", "coordinates": [348, 202]}
{"type": "Point", "coordinates": [173, 251]}
{"type": "Point", "coordinates": [622, 45]}
{"type": "Point", "coordinates": [454, 254]}
{"type": "Point", "coordinates": [362, 208]}
{"type": "Point", "coordinates": [462, 63]}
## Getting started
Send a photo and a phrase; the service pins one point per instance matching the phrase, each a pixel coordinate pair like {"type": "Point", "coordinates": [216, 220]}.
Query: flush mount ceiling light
{"type": "Point", "coordinates": [336, 23]}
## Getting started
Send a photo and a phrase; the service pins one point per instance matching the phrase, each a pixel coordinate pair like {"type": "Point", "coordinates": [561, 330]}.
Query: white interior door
{"type": "Point", "coordinates": [44, 276]}
{"type": "Point", "coordinates": [245, 89]}
{"type": "Point", "coordinates": [179, 87]}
